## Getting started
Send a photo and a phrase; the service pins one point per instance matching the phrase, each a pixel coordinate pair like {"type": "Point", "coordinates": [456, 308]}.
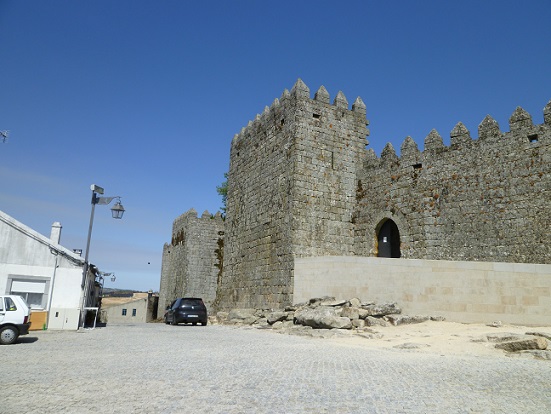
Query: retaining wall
{"type": "Point", "coordinates": [471, 292]}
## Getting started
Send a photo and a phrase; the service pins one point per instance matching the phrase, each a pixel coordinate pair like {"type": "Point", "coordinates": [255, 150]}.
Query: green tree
{"type": "Point", "coordinates": [222, 189]}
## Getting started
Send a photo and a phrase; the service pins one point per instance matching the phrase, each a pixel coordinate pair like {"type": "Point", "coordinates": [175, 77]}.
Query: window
{"type": "Point", "coordinates": [32, 289]}
{"type": "Point", "coordinates": [33, 299]}
{"type": "Point", "coordinates": [10, 305]}
{"type": "Point", "coordinates": [133, 312]}
{"type": "Point", "coordinates": [124, 312]}
{"type": "Point", "coordinates": [1, 305]}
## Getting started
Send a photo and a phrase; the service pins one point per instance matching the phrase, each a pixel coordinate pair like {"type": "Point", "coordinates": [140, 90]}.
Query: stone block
{"type": "Point", "coordinates": [523, 344]}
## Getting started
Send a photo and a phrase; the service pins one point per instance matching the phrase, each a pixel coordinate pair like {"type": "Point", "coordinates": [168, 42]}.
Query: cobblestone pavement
{"type": "Point", "coordinates": [157, 368]}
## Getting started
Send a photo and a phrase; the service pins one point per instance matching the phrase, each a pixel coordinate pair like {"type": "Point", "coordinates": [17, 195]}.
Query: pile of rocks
{"type": "Point", "coordinates": [327, 317]}
{"type": "Point", "coordinates": [325, 313]}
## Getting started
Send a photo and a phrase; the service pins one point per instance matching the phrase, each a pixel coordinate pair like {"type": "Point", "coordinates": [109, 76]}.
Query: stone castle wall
{"type": "Point", "coordinates": [485, 199]}
{"type": "Point", "coordinates": [302, 184]}
{"type": "Point", "coordinates": [257, 253]}
{"type": "Point", "coordinates": [191, 264]}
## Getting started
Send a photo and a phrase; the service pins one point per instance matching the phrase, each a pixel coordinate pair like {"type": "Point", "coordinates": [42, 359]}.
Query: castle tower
{"type": "Point", "coordinates": [192, 260]}
{"type": "Point", "coordinates": [291, 193]}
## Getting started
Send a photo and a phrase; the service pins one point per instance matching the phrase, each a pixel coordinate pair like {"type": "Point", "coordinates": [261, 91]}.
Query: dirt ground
{"type": "Point", "coordinates": [445, 338]}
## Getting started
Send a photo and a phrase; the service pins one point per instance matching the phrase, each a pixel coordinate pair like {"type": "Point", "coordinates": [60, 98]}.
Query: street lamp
{"type": "Point", "coordinates": [103, 275]}
{"type": "Point", "coordinates": [101, 280]}
{"type": "Point", "coordinates": [117, 212]}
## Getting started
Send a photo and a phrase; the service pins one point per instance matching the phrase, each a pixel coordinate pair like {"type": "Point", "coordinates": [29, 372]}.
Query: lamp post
{"type": "Point", "coordinates": [117, 212]}
{"type": "Point", "coordinates": [102, 277]}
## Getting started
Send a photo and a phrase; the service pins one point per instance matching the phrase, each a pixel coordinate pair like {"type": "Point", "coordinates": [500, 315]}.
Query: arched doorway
{"type": "Point", "coordinates": [388, 240]}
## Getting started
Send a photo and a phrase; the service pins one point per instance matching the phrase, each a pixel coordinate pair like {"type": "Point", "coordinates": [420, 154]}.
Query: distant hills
{"type": "Point", "coordinates": [120, 293]}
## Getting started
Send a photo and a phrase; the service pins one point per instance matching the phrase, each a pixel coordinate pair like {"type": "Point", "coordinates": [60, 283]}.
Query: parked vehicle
{"type": "Point", "coordinates": [15, 318]}
{"type": "Point", "coordinates": [186, 310]}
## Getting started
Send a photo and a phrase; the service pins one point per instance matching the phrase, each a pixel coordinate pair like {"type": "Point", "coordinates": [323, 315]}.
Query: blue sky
{"type": "Point", "coordinates": [143, 97]}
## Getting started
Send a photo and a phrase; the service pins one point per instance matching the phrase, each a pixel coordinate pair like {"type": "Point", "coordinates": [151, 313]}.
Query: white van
{"type": "Point", "coordinates": [15, 318]}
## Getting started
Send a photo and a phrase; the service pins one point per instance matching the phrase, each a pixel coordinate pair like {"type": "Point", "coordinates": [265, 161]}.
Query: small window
{"type": "Point", "coordinates": [124, 312]}
{"type": "Point", "coordinates": [33, 299]}
{"type": "Point", "coordinates": [133, 312]}
{"type": "Point", "coordinates": [316, 116]}
{"type": "Point", "coordinates": [417, 166]}
{"type": "Point", "coordinates": [533, 138]}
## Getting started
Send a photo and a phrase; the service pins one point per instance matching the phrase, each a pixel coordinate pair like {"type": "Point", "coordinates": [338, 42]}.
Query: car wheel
{"type": "Point", "coordinates": [194, 323]}
{"type": "Point", "coordinates": [204, 323]}
{"type": "Point", "coordinates": [174, 322]}
{"type": "Point", "coordinates": [8, 335]}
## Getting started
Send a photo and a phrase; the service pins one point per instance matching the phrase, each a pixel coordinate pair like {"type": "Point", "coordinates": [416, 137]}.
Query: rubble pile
{"type": "Point", "coordinates": [319, 315]}
{"type": "Point", "coordinates": [327, 317]}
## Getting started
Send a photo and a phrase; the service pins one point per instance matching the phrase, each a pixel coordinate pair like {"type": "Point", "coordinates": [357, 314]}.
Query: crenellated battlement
{"type": "Point", "coordinates": [183, 222]}
{"type": "Point", "coordinates": [282, 110]}
{"type": "Point", "coordinates": [192, 214]}
{"type": "Point", "coordinates": [522, 132]}
{"type": "Point", "coordinates": [285, 109]}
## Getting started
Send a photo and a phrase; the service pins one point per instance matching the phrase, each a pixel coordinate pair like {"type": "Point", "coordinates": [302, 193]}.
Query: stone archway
{"type": "Point", "coordinates": [388, 239]}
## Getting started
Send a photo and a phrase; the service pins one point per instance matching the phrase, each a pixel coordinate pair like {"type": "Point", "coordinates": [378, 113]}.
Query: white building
{"type": "Point", "coordinates": [46, 274]}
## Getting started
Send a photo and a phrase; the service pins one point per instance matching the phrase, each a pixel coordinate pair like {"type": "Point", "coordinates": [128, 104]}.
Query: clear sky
{"type": "Point", "coordinates": [143, 97]}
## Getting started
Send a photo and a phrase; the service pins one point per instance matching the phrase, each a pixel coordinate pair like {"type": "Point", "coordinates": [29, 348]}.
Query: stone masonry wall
{"type": "Point", "coordinates": [291, 192]}
{"type": "Point", "coordinates": [486, 199]}
{"type": "Point", "coordinates": [258, 252]}
{"type": "Point", "coordinates": [192, 260]}
{"type": "Point", "coordinates": [302, 184]}
{"type": "Point", "coordinates": [329, 144]}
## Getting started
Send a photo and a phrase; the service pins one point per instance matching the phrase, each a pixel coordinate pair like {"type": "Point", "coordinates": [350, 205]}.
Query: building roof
{"type": "Point", "coordinates": [10, 221]}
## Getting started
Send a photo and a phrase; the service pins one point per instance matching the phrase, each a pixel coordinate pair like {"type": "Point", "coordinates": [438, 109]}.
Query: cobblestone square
{"type": "Point", "coordinates": [156, 368]}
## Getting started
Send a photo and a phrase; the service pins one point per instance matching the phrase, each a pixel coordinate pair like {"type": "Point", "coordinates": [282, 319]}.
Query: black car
{"type": "Point", "coordinates": [186, 310]}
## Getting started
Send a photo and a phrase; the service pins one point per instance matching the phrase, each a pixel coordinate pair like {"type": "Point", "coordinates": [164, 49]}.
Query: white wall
{"type": "Point", "coordinates": [24, 253]}
{"type": "Point", "coordinates": [483, 292]}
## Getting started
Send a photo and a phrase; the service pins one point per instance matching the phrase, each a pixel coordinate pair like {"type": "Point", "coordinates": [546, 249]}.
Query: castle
{"type": "Point", "coordinates": [302, 184]}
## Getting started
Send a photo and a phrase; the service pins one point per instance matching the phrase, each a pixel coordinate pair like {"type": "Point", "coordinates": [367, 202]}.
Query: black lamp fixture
{"type": "Point", "coordinates": [117, 210]}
